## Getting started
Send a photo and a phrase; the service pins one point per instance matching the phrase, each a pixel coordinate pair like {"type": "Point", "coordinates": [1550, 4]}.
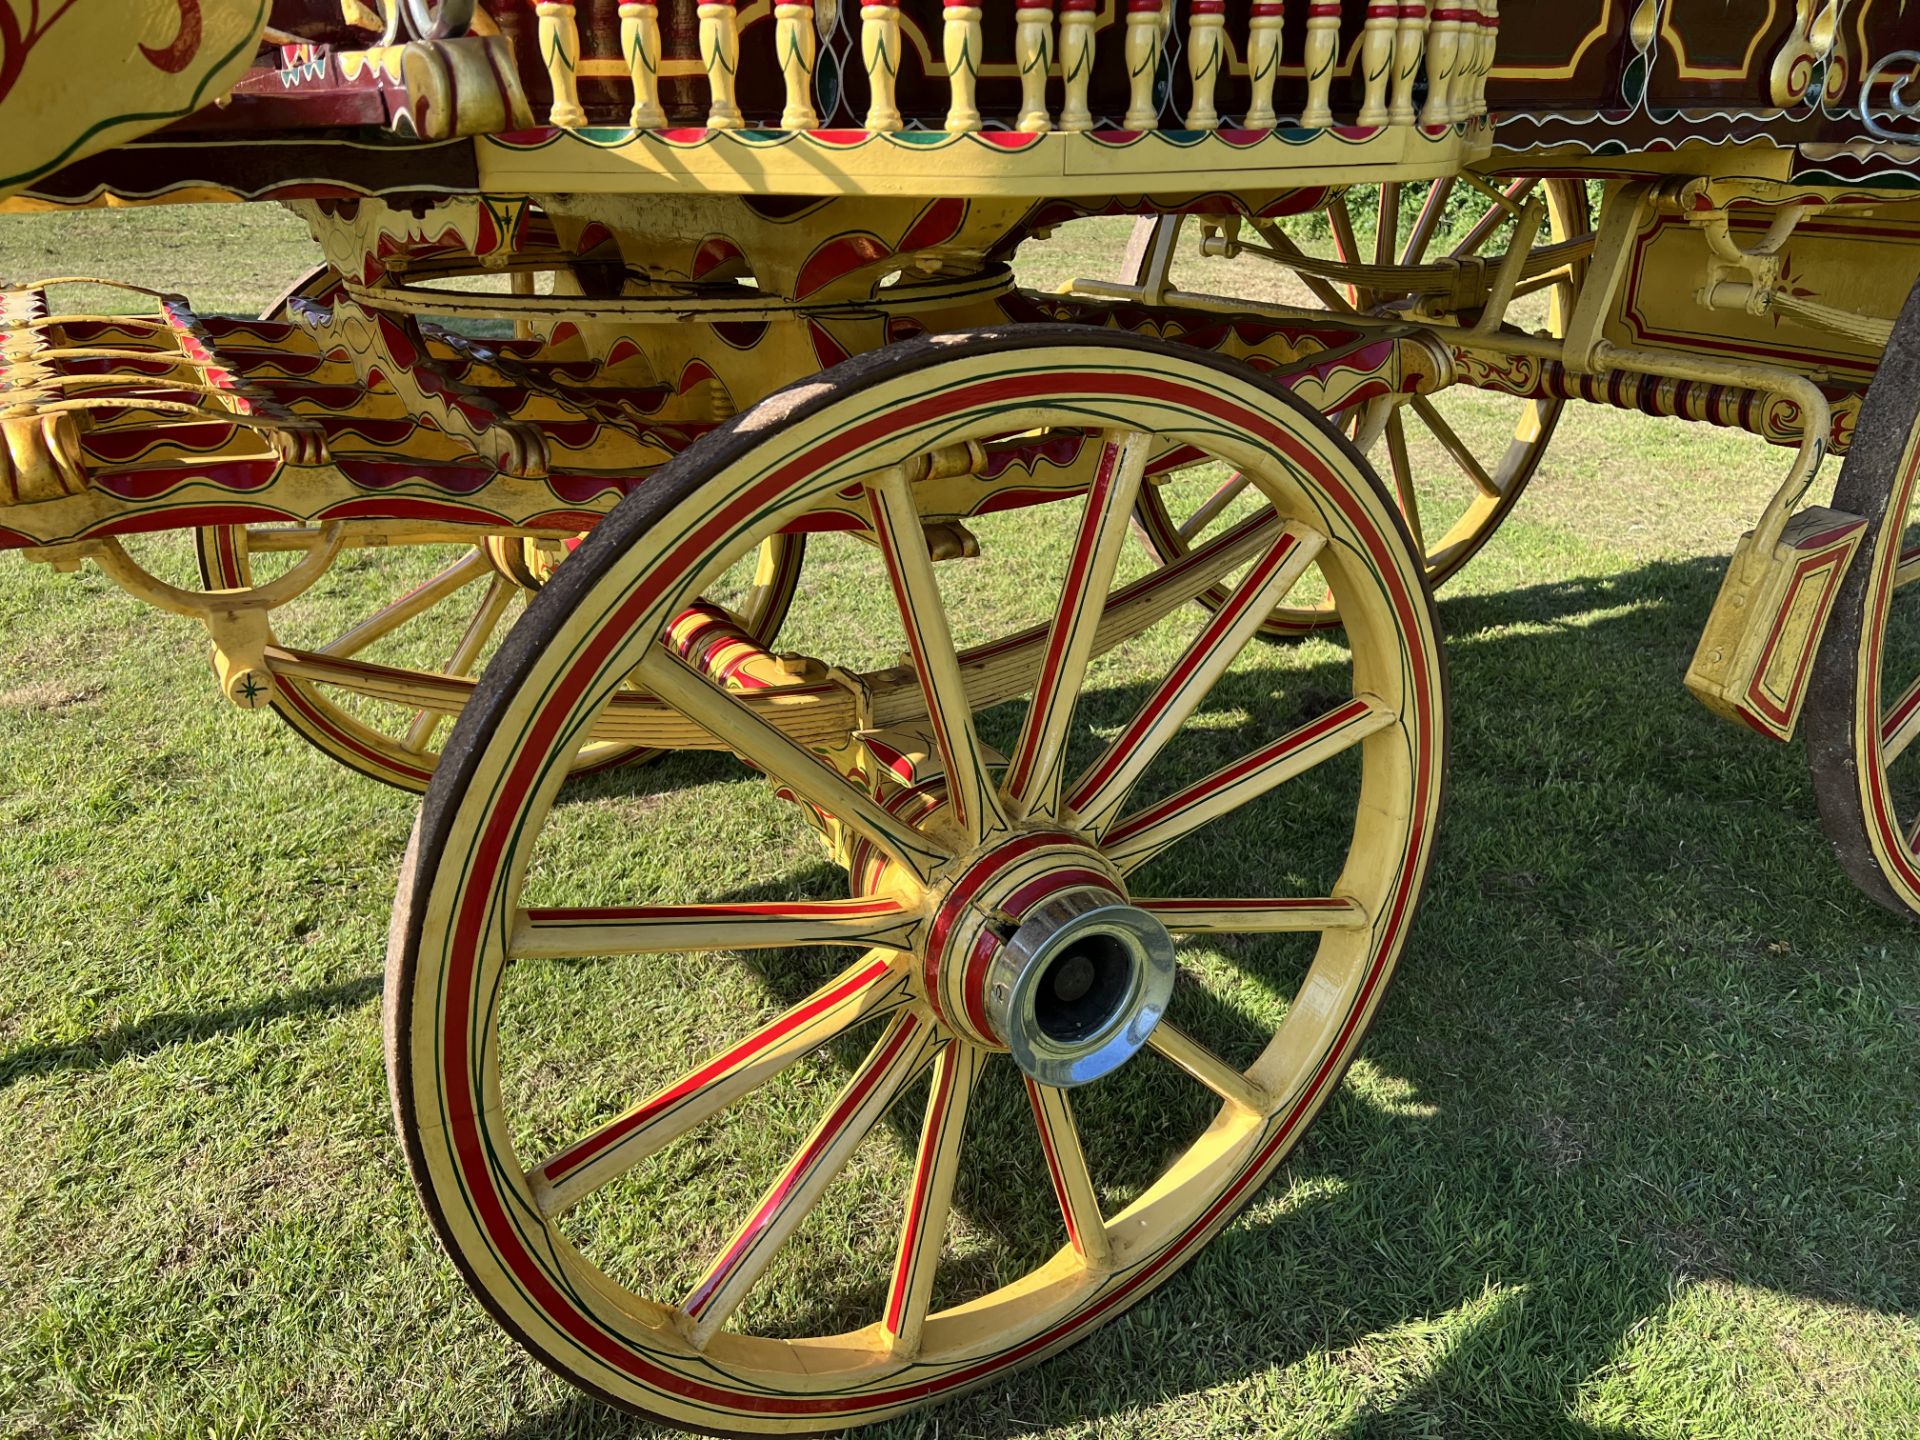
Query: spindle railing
{"type": "Point", "coordinates": [1451, 45]}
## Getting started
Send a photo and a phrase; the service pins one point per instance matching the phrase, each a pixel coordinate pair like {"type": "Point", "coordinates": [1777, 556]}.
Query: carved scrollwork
{"type": "Point", "coordinates": [1902, 98]}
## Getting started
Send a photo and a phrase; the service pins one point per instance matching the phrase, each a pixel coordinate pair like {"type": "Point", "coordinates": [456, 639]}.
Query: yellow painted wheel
{"type": "Point", "coordinates": [1863, 706]}
{"type": "Point", "coordinates": [424, 609]}
{"type": "Point", "coordinates": [1457, 461]}
{"type": "Point", "coordinates": [1085, 965]}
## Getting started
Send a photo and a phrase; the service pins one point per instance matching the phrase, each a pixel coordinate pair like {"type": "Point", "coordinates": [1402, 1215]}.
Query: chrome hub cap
{"type": "Point", "coordinates": [1036, 951]}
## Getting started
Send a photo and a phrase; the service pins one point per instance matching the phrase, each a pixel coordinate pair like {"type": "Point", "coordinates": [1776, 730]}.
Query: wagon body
{"type": "Point", "coordinates": [624, 301]}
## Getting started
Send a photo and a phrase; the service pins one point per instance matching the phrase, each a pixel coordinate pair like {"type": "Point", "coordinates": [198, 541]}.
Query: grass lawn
{"type": "Point", "coordinates": [1630, 1151]}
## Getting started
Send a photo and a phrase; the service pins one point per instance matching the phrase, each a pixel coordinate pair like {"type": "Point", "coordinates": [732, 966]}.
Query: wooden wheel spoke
{"type": "Point", "coordinates": [1004, 669]}
{"type": "Point", "coordinates": [1208, 1068]}
{"type": "Point", "coordinates": [1325, 291]}
{"type": "Point", "coordinates": [1908, 570]}
{"type": "Point", "coordinates": [900, 1054]}
{"type": "Point", "coordinates": [930, 1197]}
{"type": "Point", "coordinates": [971, 796]}
{"type": "Point", "coordinates": [1185, 916]}
{"type": "Point", "coordinates": [873, 985]}
{"type": "Point", "coordinates": [1900, 725]}
{"type": "Point", "coordinates": [486, 620]}
{"type": "Point", "coordinates": [417, 601]}
{"type": "Point", "coordinates": [1386, 224]}
{"type": "Point", "coordinates": [1469, 465]}
{"type": "Point", "coordinates": [1346, 246]}
{"type": "Point", "coordinates": [761, 743]}
{"type": "Point", "coordinates": [1496, 216]}
{"type": "Point", "coordinates": [1140, 836]}
{"type": "Point", "coordinates": [1427, 222]}
{"type": "Point", "coordinates": [1033, 774]}
{"type": "Point", "coordinates": [1067, 1169]}
{"type": "Point", "coordinates": [1547, 280]}
{"type": "Point", "coordinates": [1211, 507]}
{"type": "Point", "coordinates": [559, 933]}
{"type": "Point", "coordinates": [1402, 468]}
{"type": "Point", "coordinates": [1098, 794]}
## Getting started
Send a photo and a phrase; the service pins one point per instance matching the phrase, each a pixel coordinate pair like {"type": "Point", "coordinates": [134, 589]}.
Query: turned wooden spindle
{"type": "Point", "coordinates": [1376, 61]}
{"type": "Point", "coordinates": [640, 47]}
{"type": "Point", "coordinates": [1443, 53]}
{"type": "Point", "coordinates": [560, 49]}
{"type": "Point", "coordinates": [1489, 46]}
{"type": "Point", "coordinates": [1145, 25]}
{"type": "Point", "coordinates": [720, 53]}
{"type": "Point", "coordinates": [795, 41]}
{"type": "Point", "coordinates": [1408, 40]}
{"type": "Point", "coordinates": [1263, 62]}
{"type": "Point", "coordinates": [1466, 69]}
{"type": "Point", "coordinates": [1033, 49]}
{"type": "Point", "coordinates": [880, 50]}
{"type": "Point", "coordinates": [1323, 49]}
{"type": "Point", "coordinates": [1206, 56]}
{"type": "Point", "coordinates": [1076, 61]}
{"type": "Point", "coordinates": [962, 49]}
{"type": "Point", "coordinates": [1466, 58]}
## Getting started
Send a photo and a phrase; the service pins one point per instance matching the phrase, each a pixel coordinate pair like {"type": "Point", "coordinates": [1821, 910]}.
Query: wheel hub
{"type": "Point", "coordinates": [1036, 951]}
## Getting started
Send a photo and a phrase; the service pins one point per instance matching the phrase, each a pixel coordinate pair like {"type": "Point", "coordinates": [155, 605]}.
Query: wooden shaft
{"type": "Point", "coordinates": [1076, 61]}
{"type": "Point", "coordinates": [640, 46]}
{"type": "Point", "coordinates": [795, 41]}
{"type": "Point", "coordinates": [1443, 51]}
{"type": "Point", "coordinates": [1408, 44]}
{"type": "Point", "coordinates": [962, 50]}
{"type": "Point", "coordinates": [720, 53]}
{"type": "Point", "coordinates": [1263, 62]}
{"type": "Point", "coordinates": [1033, 49]}
{"type": "Point", "coordinates": [1323, 46]}
{"type": "Point", "coordinates": [560, 49]}
{"type": "Point", "coordinates": [1376, 61]}
{"type": "Point", "coordinates": [1144, 21]}
{"type": "Point", "coordinates": [1206, 54]}
{"type": "Point", "coordinates": [880, 50]}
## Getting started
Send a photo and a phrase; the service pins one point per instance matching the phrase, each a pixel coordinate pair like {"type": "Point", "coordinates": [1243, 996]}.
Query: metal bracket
{"type": "Point", "coordinates": [1620, 220]}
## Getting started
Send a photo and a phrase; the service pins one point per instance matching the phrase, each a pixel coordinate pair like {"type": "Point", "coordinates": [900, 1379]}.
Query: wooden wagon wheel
{"type": "Point", "coordinates": [436, 608]}
{"type": "Point", "coordinates": [1863, 708]}
{"type": "Point", "coordinates": [995, 918]}
{"type": "Point", "coordinates": [1480, 449]}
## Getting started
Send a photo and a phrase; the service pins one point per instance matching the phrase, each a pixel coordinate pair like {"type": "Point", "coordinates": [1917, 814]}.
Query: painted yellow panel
{"type": "Point", "coordinates": [78, 77]}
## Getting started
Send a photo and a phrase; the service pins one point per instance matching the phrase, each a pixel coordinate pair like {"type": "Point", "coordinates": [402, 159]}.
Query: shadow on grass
{"type": "Point", "coordinates": [181, 1027]}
